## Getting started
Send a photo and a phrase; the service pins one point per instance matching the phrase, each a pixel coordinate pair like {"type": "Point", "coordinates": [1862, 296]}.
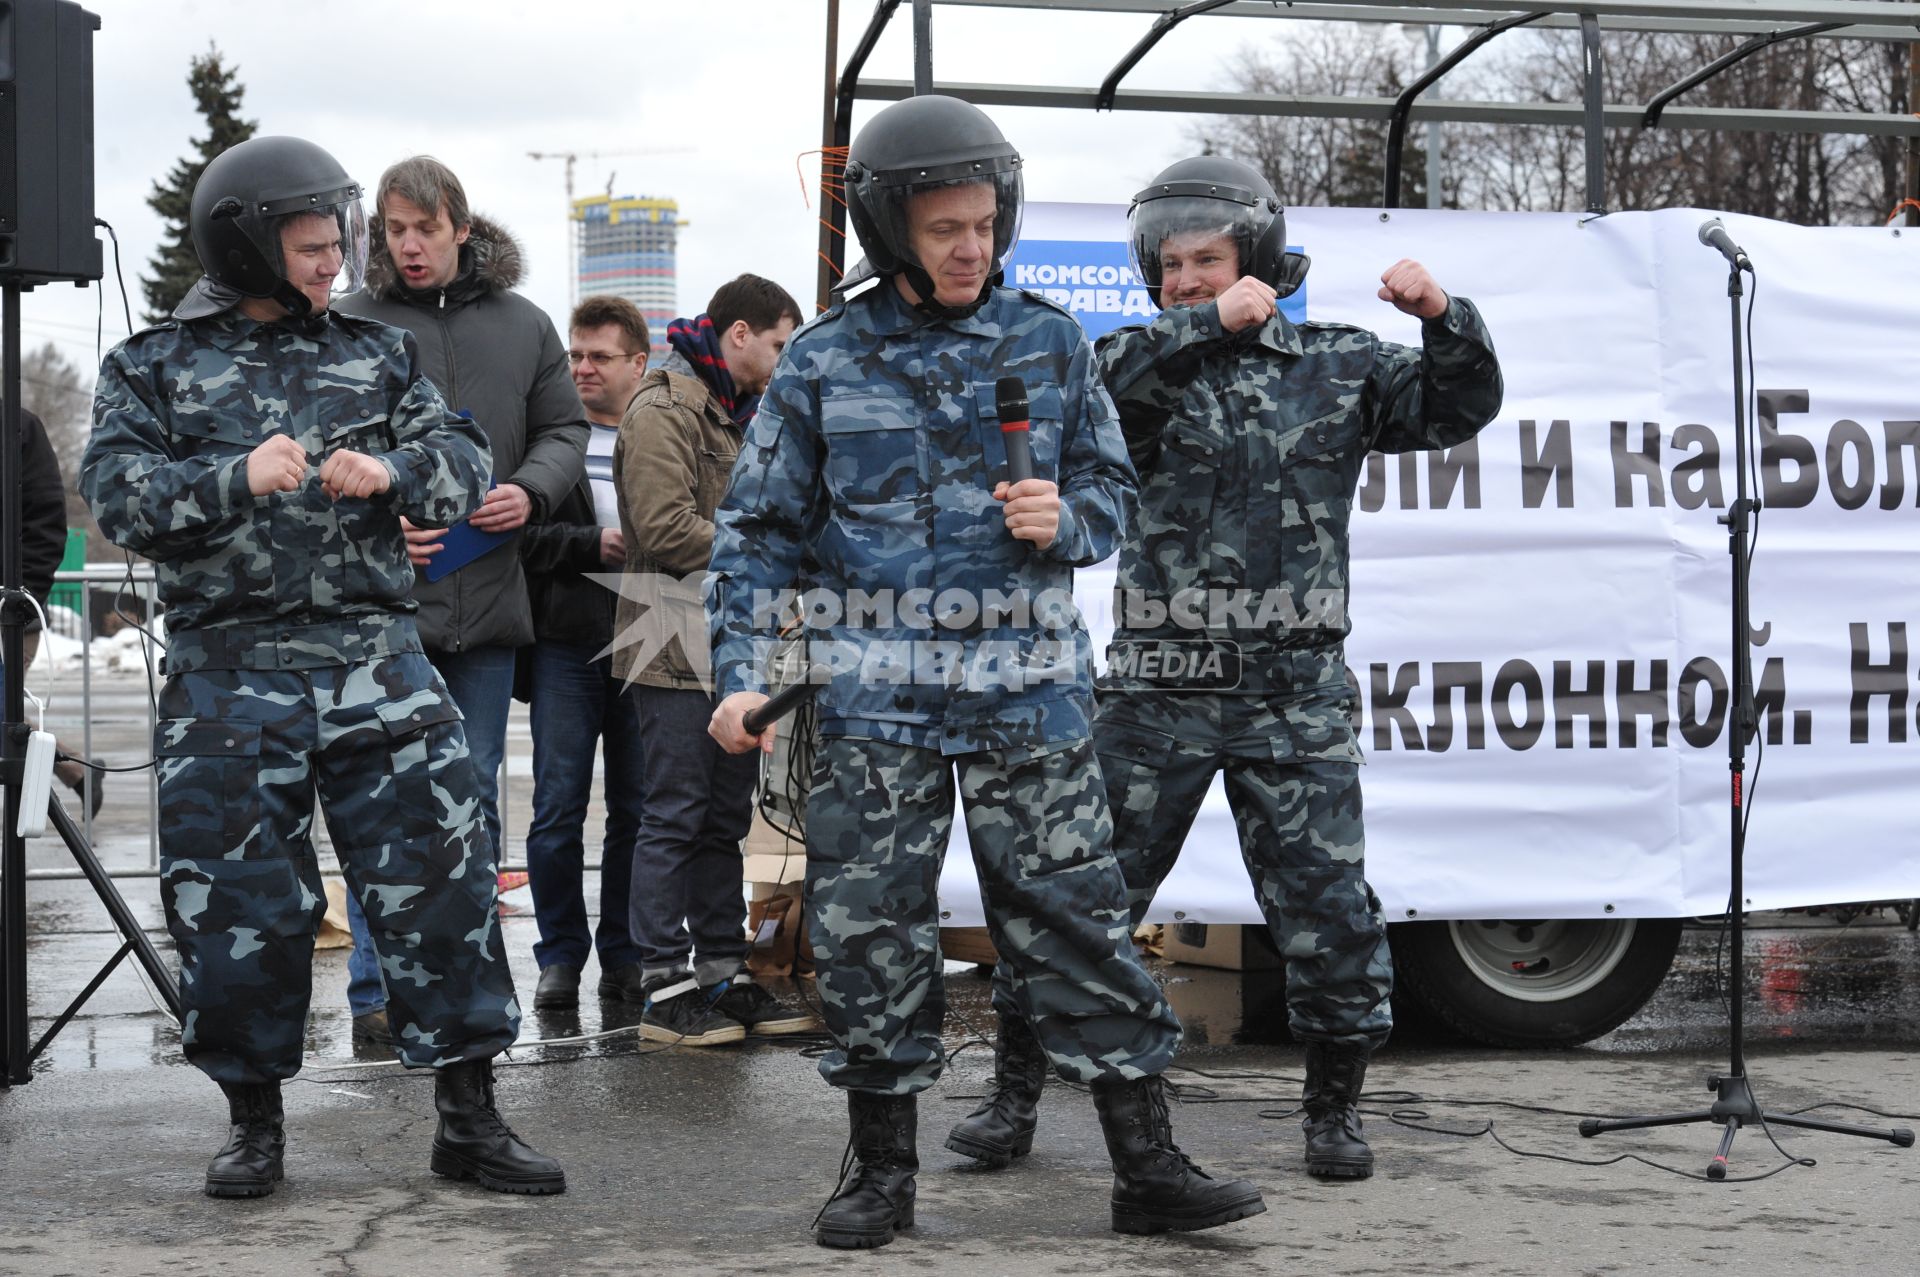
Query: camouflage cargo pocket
{"type": "Point", "coordinates": [1318, 727]}
{"type": "Point", "coordinates": [1322, 463]}
{"type": "Point", "coordinates": [209, 781]}
{"type": "Point", "coordinates": [1132, 759]}
{"type": "Point", "coordinates": [215, 435]}
{"type": "Point", "coordinates": [1046, 426]}
{"type": "Point", "coordinates": [433, 777]}
{"type": "Point", "coordinates": [873, 449]}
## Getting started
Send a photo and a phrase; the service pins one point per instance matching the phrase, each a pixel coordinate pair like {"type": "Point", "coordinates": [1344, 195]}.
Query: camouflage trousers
{"type": "Point", "coordinates": [241, 756]}
{"type": "Point", "coordinates": [878, 818]}
{"type": "Point", "coordinates": [1293, 784]}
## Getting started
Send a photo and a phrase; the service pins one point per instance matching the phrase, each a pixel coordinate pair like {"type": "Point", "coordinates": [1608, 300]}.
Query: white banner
{"type": "Point", "coordinates": [1542, 619]}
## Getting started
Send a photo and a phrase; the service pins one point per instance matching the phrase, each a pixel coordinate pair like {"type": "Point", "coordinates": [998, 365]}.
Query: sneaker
{"type": "Point", "coordinates": [678, 1013]}
{"type": "Point", "coordinates": [559, 988]}
{"type": "Point", "coordinates": [744, 1000]}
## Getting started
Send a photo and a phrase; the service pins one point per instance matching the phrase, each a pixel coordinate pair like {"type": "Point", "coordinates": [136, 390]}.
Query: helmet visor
{"type": "Point", "coordinates": [1181, 226]}
{"type": "Point", "coordinates": [311, 235]}
{"type": "Point", "coordinates": [930, 224]}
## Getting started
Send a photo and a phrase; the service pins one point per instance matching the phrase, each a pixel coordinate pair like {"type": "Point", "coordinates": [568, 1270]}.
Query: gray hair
{"type": "Point", "coordinates": [426, 182]}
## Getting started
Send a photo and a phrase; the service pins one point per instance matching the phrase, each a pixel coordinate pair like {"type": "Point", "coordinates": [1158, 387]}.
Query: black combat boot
{"type": "Point", "coordinates": [248, 1164]}
{"type": "Point", "coordinates": [474, 1143]}
{"type": "Point", "coordinates": [1001, 1129]}
{"type": "Point", "coordinates": [1336, 1071]}
{"type": "Point", "coordinates": [875, 1200]}
{"type": "Point", "coordinates": [1156, 1187]}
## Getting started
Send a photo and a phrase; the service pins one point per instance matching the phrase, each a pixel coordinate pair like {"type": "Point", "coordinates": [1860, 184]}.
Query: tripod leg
{"type": "Point", "coordinates": [1595, 1126]}
{"type": "Point", "coordinates": [73, 1008]}
{"type": "Point", "coordinates": [123, 919]}
{"type": "Point", "coordinates": [1717, 1168]}
{"type": "Point", "coordinates": [1897, 1135]}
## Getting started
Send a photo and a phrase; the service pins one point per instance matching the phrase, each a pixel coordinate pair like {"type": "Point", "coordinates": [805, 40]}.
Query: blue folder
{"type": "Point", "coordinates": [462, 544]}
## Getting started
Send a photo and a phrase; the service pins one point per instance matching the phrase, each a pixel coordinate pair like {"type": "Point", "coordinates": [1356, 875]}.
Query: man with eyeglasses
{"type": "Point", "coordinates": [566, 676]}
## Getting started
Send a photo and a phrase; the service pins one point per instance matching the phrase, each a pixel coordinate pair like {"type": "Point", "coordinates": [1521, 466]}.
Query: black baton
{"type": "Point", "coordinates": [761, 717]}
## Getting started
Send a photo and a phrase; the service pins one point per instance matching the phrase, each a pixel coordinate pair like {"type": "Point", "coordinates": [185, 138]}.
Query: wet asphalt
{"type": "Point", "coordinates": [714, 1161]}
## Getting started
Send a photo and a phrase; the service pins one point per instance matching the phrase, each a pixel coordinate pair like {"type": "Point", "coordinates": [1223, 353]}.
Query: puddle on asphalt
{"type": "Point", "coordinates": [1808, 982]}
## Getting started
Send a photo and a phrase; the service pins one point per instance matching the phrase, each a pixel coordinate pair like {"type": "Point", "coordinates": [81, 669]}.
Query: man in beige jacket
{"type": "Point", "coordinates": [672, 461]}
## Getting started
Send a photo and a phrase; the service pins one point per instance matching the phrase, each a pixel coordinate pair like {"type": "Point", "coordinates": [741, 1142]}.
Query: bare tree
{"type": "Point", "coordinates": [56, 389]}
{"type": "Point", "coordinates": [1313, 161]}
{"type": "Point", "coordinates": [1814, 179]}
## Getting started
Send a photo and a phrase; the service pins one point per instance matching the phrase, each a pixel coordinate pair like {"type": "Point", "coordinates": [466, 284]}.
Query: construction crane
{"type": "Point", "coordinates": [570, 159]}
{"type": "Point", "coordinates": [573, 157]}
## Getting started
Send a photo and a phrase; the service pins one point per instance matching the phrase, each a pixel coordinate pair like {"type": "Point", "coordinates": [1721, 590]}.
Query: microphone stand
{"type": "Point", "coordinates": [1736, 1106]}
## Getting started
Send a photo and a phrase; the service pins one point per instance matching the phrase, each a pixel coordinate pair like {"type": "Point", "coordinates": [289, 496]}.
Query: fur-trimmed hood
{"type": "Point", "coordinates": [490, 261]}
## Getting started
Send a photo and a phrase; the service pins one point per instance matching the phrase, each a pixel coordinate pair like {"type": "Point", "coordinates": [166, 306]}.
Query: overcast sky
{"type": "Point", "coordinates": [736, 83]}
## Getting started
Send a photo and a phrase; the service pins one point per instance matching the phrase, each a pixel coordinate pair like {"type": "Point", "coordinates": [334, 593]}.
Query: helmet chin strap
{"type": "Point", "coordinates": [296, 302]}
{"type": "Point", "coordinates": [922, 284]}
{"type": "Point", "coordinates": [301, 316]}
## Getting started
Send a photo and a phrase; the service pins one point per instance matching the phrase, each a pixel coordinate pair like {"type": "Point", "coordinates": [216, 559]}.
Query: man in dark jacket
{"type": "Point", "coordinates": [43, 512]}
{"type": "Point", "coordinates": [43, 543]}
{"type": "Point", "coordinates": [567, 677]}
{"type": "Point", "coordinates": [447, 278]}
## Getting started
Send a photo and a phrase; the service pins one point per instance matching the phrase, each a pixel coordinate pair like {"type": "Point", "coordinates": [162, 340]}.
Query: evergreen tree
{"type": "Point", "coordinates": [217, 91]}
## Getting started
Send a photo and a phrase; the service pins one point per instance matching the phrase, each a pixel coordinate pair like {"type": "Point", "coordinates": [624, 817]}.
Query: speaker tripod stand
{"type": "Point", "coordinates": [16, 1057]}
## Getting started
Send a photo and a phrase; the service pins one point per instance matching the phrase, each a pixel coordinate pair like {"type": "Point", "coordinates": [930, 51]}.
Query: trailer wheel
{"type": "Point", "coordinates": [1533, 983]}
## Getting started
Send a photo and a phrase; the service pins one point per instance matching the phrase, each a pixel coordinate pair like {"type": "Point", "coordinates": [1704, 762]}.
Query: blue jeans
{"type": "Point", "coordinates": [687, 866]}
{"type": "Point", "coordinates": [577, 701]}
{"type": "Point", "coordinates": [480, 681]}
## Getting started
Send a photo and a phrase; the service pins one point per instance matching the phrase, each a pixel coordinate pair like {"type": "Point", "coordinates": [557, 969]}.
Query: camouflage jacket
{"type": "Point", "coordinates": [870, 469]}
{"type": "Point", "coordinates": [178, 409]}
{"type": "Point", "coordinates": [1249, 448]}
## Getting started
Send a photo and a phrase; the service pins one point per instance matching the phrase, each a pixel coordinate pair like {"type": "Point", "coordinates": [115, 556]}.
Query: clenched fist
{"type": "Point", "coordinates": [1408, 286]}
{"type": "Point", "coordinates": [1247, 303]}
{"type": "Point", "coordinates": [278, 465]}
{"type": "Point", "coordinates": [353, 474]}
{"type": "Point", "coordinates": [613, 546]}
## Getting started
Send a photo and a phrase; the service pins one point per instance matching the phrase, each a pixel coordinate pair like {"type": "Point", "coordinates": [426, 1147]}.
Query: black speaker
{"type": "Point", "coordinates": [46, 143]}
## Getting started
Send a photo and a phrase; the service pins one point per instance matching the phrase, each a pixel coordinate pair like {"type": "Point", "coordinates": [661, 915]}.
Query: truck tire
{"type": "Point", "coordinates": [1533, 983]}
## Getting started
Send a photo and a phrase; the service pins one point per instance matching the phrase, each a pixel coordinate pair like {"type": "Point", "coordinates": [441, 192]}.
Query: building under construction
{"type": "Point", "coordinates": [625, 245]}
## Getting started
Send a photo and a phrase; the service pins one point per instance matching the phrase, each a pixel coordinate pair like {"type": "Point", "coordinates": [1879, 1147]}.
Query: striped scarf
{"type": "Point", "coordinates": [699, 345]}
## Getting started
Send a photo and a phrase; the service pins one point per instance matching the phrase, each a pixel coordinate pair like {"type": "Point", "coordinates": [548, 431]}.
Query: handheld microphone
{"type": "Point", "coordinates": [1010, 401]}
{"type": "Point", "coordinates": [1713, 233]}
{"type": "Point", "coordinates": [758, 719]}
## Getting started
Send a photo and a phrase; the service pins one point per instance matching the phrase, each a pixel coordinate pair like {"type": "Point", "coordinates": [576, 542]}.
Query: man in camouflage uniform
{"type": "Point", "coordinates": [262, 451]}
{"type": "Point", "coordinates": [1249, 434]}
{"type": "Point", "coordinates": [872, 460]}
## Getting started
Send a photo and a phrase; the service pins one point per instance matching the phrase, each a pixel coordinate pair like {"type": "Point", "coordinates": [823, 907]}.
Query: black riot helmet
{"type": "Point", "coordinates": [244, 195]}
{"type": "Point", "coordinates": [916, 145]}
{"type": "Point", "coordinates": [1211, 195]}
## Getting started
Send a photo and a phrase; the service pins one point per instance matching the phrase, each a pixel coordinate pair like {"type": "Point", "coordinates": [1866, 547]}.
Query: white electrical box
{"type": "Point", "coordinates": [36, 787]}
